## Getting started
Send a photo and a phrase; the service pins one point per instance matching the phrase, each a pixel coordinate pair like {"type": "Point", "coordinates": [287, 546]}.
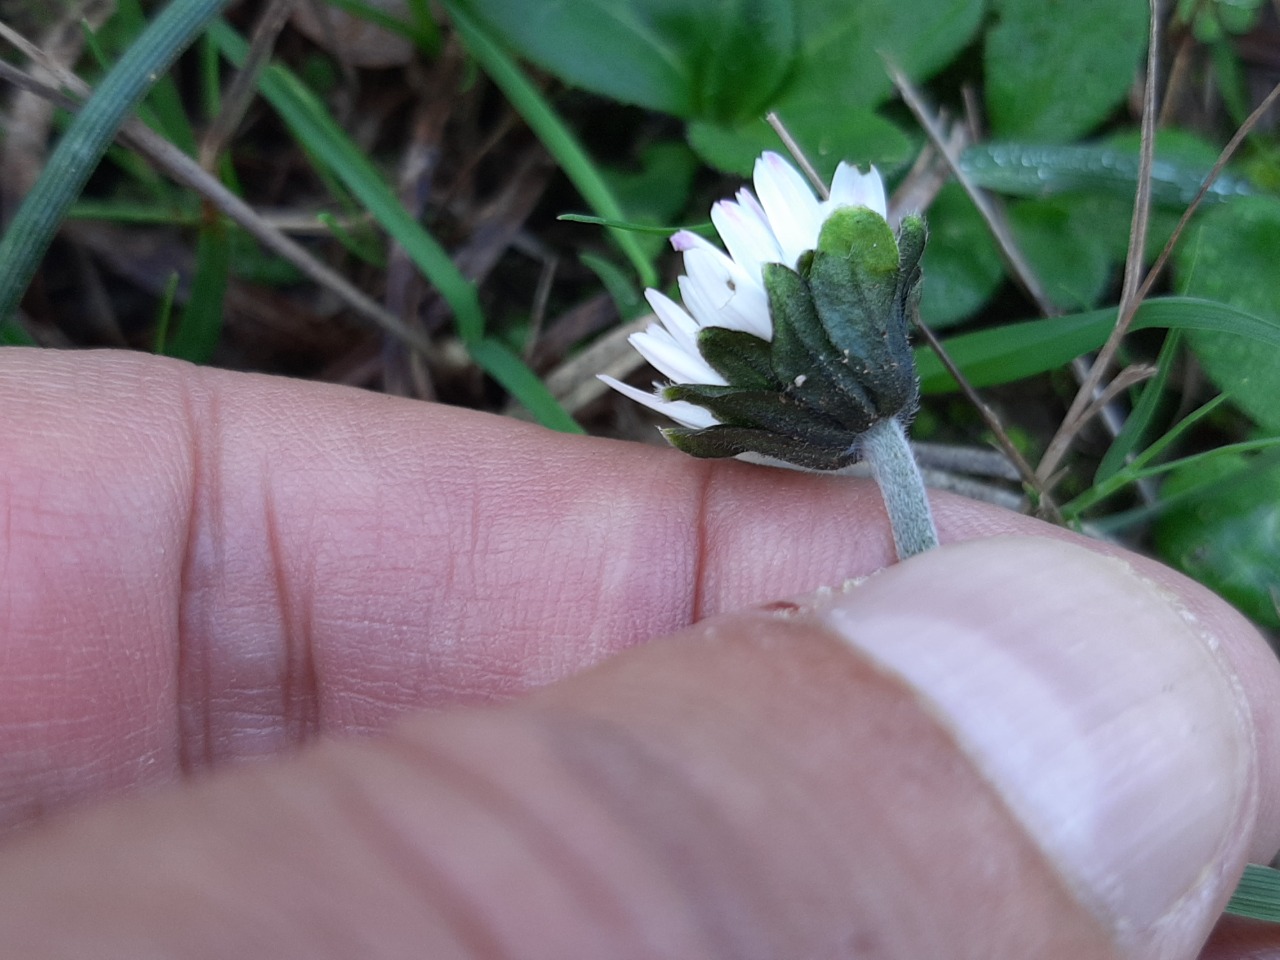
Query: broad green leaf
{"type": "Point", "coordinates": [1228, 538]}
{"type": "Point", "coordinates": [717, 61]}
{"type": "Point", "coordinates": [840, 78]}
{"type": "Point", "coordinates": [1057, 68]}
{"type": "Point", "coordinates": [1043, 170]}
{"type": "Point", "coordinates": [1018, 350]}
{"type": "Point", "coordinates": [962, 267]}
{"type": "Point", "coordinates": [1232, 257]}
{"type": "Point", "coordinates": [826, 136]}
{"type": "Point", "coordinates": [1065, 247]}
{"type": "Point", "coordinates": [843, 45]}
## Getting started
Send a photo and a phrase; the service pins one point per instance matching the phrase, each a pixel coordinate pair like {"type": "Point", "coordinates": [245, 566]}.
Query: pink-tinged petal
{"type": "Point", "coordinates": [793, 211]}
{"type": "Point", "coordinates": [672, 360]}
{"type": "Point", "coordinates": [746, 236]}
{"type": "Point", "coordinates": [683, 240]}
{"type": "Point", "coordinates": [720, 294]}
{"type": "Point", "coordinates": [686, 414]}
{"type": "Point", "coordinates": [852, 188]}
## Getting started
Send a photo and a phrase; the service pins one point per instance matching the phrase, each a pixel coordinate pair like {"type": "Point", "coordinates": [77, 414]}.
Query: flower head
{"type": "Point", "coordinates": [794, 341]}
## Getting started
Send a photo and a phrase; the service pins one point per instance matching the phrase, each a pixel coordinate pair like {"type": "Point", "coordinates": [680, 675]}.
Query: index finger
{"type": "Point", "coordinates": [202, 566]}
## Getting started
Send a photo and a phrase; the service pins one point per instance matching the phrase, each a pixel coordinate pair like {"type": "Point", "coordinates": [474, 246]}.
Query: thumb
{"type": "Point", "coordinates": [1009, 748]}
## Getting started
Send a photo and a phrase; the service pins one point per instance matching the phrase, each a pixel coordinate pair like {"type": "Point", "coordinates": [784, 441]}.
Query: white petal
{"type": "Point", "coordinates": [794, 212]}
{"type": "Point", "coordinates": [746, 236]}
{"type": "Point", "coordinates": [673, 361]}
{"type": "Point", "coordinates": [681, 326]}
{"type": "Point", "coordinates": [720, 294]}
{"type": "Point", "coordinates": [852, 188]}
{"type": "Point", "coordinates": [687, 414]}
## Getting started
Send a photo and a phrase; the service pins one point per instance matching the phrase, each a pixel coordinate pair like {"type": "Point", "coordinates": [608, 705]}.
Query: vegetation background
{"type": "Point", "coordinates": [374, 192]}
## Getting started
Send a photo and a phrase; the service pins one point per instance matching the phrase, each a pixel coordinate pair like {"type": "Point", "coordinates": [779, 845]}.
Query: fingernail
{"type": "Point", "coordinates": [1100, 712]}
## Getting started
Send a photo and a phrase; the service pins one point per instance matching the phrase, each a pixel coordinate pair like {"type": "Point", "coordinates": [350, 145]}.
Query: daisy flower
{"type": "Point", "coordinates": [790, 347]}
{"type": "Point", "coordinates": [779, 223]}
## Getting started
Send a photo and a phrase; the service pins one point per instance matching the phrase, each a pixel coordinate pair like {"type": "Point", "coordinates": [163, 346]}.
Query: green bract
{"type": "Point", "coordinates": [839, 361]}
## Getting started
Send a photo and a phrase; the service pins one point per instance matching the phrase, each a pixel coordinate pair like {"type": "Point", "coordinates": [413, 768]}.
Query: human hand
{"type": "Point", "coordinates": [1013, 747]}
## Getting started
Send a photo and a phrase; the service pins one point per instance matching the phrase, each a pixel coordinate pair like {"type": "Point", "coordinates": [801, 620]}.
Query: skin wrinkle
{"type": "Point", "coordinates": [681, 829]}
{"type": "Point", "coordinates": [457, 911]}
{"type": "Point", "coordinates": [299, 681]}
{"type": "Point", "coordinates": [586, 879]}
{"type": "Point", "coordinates": [193, 701]}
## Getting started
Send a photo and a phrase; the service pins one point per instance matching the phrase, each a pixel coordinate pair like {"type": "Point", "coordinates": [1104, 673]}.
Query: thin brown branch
{"type": "Point", "coordinates": [1130, 376]}
{"type": "Point", "coordinates": [1020, 269]}
{"type": "Point", "coordinates": [239, 95]}
{"type": "Point", "coordinates": [1045, 504]}
{"type": "Point", "coordinates": [797, 153]}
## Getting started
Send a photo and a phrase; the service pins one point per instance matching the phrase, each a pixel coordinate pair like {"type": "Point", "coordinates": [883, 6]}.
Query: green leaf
{"type": "Point", "coordinates": [1232, 257]}
{"type": "Point", "coordinates": [720, 61]}
{"type": "Point", "coordinates": [656, 192]}
{"type": "Point", "coordinates": [840, 78]}
{"type": "Point", "coordinates": [1069, 250]}
{"type": "Point", "coordinates": [554, 134]}
{"type": "Point", "coordinates": [1057, 68]}
{"type": "Point", "coordinates": [825, 135]}
{"type": "Point", "coordinates": [329, 144]}
{"type": "Point", "coordinates": [843, 45]}
{"type": "Point", "coordinates": [962, 266]}
{"type": "Point", "coordinates": [1111, 166]}
{"type": "Point", "coordinates": [1018, 350]}
{"type": "Point", "coordinates": [1228, 537]}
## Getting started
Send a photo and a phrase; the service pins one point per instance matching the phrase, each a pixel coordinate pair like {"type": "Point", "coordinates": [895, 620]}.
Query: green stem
{"type": "Point", "coordinates": [893, 466]}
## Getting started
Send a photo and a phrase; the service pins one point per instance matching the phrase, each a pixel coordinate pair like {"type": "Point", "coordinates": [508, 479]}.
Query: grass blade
{"type": "Point", "coordinates": [1138, 425]}
{"type": "Point", "coordinates": [1257, 895]}
{"type": "Point", "coordinates": [87, 139]}
{"type": "Point", "coordinates": [201, 326]}
{"type": "Point", "coordinates": [553, 133]}
{"type": "Point", "coordinates": [497, 360]}
{"type": "Point", "coordinates": [1018, 350]}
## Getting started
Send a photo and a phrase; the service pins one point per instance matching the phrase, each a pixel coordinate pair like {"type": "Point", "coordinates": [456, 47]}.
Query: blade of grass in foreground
{"type": "Point", "coordinates": [1018, 350]}
{"type": "Point", "coordinates": [1257, 895]}
{"type": "Point", "coordinates": [86, 140]}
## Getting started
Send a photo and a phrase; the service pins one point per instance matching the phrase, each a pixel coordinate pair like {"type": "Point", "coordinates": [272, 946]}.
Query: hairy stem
{"type": "Point", "coordinates": [894, 468]}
